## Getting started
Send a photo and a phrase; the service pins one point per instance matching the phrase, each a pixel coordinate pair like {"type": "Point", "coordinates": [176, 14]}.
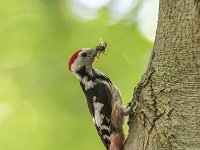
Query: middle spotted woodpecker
{"type": "Point", "coordinates": [103, 97]}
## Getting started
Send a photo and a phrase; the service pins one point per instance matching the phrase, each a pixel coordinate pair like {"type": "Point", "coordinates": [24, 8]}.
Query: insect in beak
{"type": "Point", "coordinates": [100, 49]}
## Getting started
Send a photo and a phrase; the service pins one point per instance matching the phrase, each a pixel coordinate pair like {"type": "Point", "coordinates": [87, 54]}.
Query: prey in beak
{"type": "Point", "coordinates": [100, 49]}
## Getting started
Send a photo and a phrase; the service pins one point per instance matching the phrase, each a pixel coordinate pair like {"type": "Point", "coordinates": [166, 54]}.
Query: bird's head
{"type": "Point", "coordinates": [84, 58]}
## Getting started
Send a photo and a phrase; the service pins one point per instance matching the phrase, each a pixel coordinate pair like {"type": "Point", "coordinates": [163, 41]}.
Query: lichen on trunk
{"type": "Point", "coordinates": [168, 95]}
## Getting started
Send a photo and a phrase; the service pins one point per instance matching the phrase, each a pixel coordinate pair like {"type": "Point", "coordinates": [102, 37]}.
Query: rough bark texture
{"type": "Point", "coordinates": [168, 112]}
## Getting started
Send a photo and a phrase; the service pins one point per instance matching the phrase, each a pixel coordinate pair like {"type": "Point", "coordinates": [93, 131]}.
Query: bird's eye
{"type": "Point", "coordinates": [84, 54]}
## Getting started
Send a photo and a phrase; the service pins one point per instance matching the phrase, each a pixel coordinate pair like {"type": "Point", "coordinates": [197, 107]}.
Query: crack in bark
{"type": "Point", "coordinates": [153, 126]}
{"type": "Point", "coordinates": [138, 89]}
{"type": "Point", "coordinates": [141, 85]}
{"type": "Point", "coordinates": [156, 115]}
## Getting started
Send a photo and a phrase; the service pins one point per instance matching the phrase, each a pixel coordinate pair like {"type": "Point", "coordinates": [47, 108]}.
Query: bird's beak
{"type": "Point", "coordinates": [99, 49]}
{"type": "Point", "coordinates": [95, 52]}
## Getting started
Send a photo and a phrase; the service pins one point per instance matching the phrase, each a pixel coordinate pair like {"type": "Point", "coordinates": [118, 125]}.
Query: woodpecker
{"type": "Point", "coordinates": [103, 97]}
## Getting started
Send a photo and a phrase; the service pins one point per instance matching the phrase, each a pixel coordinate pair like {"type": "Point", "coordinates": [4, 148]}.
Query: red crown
{"type": "Point", "coordinates": [71, 61]}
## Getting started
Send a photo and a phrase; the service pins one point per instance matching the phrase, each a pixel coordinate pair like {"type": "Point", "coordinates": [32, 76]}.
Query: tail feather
{"type": "Point", "coordinates": [116, 141]}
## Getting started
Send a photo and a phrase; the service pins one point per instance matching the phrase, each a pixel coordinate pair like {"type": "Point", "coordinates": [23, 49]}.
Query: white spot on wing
{"type": "Point", "coordinates": [103, 127]}
{"type": "Point", "coordinates": [106, 137]}
{"type": "Point", "coordinates": [93, 120]}
{"type": "Point", "coordinates": [97, 109]}
{"type": "Point", "coordinates": [108, 120]}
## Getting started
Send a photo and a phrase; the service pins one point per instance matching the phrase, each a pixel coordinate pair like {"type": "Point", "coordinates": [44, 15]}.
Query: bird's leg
{"type": "Point", "coordinates": [130, 107]}
{"type": "Point", "coordinates": [117, 119]}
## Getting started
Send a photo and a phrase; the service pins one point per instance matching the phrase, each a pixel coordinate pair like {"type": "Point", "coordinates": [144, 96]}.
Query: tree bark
{"type": "Point", "coordinates": [168, 112]}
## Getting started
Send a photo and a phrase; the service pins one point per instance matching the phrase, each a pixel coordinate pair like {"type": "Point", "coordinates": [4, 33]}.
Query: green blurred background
{"type": "Point", "coordinates": [42, 106]}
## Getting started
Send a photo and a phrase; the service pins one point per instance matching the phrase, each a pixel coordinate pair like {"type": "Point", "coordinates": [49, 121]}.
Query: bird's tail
{"type": "Point", "coordinates": [116, 141]}
{"type": "Point", "coordinates": [117, 120]}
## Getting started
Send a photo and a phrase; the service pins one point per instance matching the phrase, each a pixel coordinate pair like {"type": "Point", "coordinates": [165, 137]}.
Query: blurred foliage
{"type": "Point", "coordinates": [42, 106]}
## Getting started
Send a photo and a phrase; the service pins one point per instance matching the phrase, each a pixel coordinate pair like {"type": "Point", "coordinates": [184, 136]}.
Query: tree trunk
{"type": "Point", "coordinates": [168, 112]}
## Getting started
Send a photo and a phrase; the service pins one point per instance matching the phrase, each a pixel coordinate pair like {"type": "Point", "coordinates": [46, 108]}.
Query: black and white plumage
{"type": "Point", "coordinates": [100, 98]}
{"type": "Point", "coordinates": [103, 97]}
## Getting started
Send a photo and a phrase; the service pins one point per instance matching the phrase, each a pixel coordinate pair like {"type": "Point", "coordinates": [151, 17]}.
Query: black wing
{"type": "Point", "coordinates": [100, 95]}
